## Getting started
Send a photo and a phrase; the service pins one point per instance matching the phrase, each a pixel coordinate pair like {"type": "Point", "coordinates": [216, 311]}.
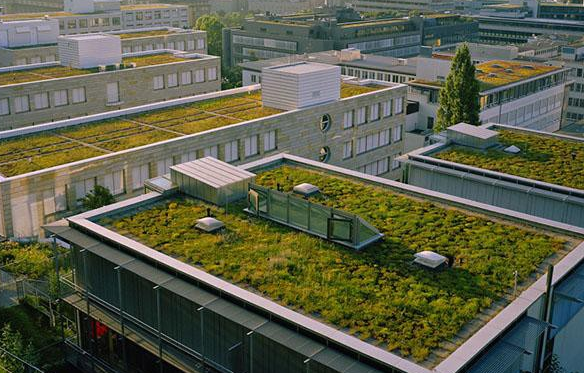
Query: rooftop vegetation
{"type": "Point", "coordinates": [144, 34]}
{"type": "Point", "coordinates": [498, 73]}
{"type": "Point", "coordinates": [350, 90]}
{"type": "Point", "coordinates": [542, 158]}
{"type": "Point", "coordinates": [35, 152]}
{"type": "Point", "coordinates": [21, 16]}
{"type": "Point", "coordinates": [46, 73]}
{"type": "Point", "coordinates": [377, 295]}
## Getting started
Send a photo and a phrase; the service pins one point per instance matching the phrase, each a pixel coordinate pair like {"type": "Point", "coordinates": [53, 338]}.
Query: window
{"type": "Point", "coordinates": [188, 157]}
{"type": "Point", "coordinates": [126, 50]}
{"type": "Point", "coordinates": [139, 175]}
{"type": "Point", "coordinates": [200, 43]}
{"type": "Point", "coordinates": [324, 154]}
{"type": "Point", "coordinates": [170, 45]}
{"type": "Point", "coordinates": [105, 21]}
{"type": "Point", "coordinates": [348, 149]}
{"type": "Point", "coordinates": [159, 46]}
{"type": "Point", "coordinates": [114, 182]}
{"type": "Point", "coordinates": [50, 58]}
{"type": "Point", "coordinates": [325, 123]}
{"type": "Point", "coordinates": [254, 78]}
{"type": "Point", "coordinates": [163, 166]}
{"type": "Point", "coordinates": [375, 168]}
{"type": "Point", "coordinates": [21, 104]}
{"type": "Point", "coordinates": [60, 98]}
{"type": "Point", "coordinates": [251, 146]}
{"type": "Point", "coordinates": [384, 137]}
{"type": "Point", "coordinates": [211, 151]}
{"type": "Point", "coordinates": [54, 200]}
{"type": "Point", "coordinates": [41, 100]}
{"type": "Point", "coordinates": [360, 116]}
{"type": "Point", "coordinates": [78, 95]}
{"type": "Point", "coordinates": [35, 60]}
{"type": "Point", "coordinates": [387, 106]}
{"type": "Point", "coordinates": [172, 80]}
{"type": "Point", "coordinates": [83, 23]}
{"type": "Point", "coordinates": [394, 162]}
{"type": "Point", "coordinates": [231, 151]}
{"type": "Point", "coordinates": [180, 45]}
{"type": "Point", "coordinates": [113, 93]}
{"type": "Point", "coordinates": [137, 48]}
{"type": "Point", "coordinates": [374, 112]}
{"type": "Point", "coordinates": [372, 141]}
{"type": "Point", "coordinates": [190, 45]}
{"type": "Point", "coordinates": [116, 21]}
{"type": "Point", "coordinates": [430, 123]}
{"type": "Point", "coordinates": [269, 141]}
{"type": "Point", "coordinates": [4, 106]}
{"type": "Point", "coordinates": [82, 188]}
{"type": "Point", "coordinates": [212, 73]}
{"type": "Point", "coordinates": [158, 82]}
{"type": "Point", "coordinates": [186, 78]}
{"type": "Point", "coordinates": [399, 105]}
{"type": "Point", "coordinates": [397, 133]}
{"type": "Point", "coordinates": [348, 119]}
{"type": "Point", "coordinates": [199, 76]}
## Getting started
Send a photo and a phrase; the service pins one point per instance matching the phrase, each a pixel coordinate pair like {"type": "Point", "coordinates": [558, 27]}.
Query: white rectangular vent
{"type": "Point", "coordinates": [209, 224]}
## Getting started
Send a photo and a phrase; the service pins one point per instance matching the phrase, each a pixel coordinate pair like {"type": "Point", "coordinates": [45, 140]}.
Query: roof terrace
{"type": "Point", "coordinates": [23, 154]}
{"type": "Point", "coordinates": [377, 294]}
{"type": "Point", "coordinates": [551, 159]}
{"type": "Point", "coordinates": [55, 72]}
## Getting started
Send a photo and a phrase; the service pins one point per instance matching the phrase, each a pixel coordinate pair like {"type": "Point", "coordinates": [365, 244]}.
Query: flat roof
{"type": "Point", "coordinates": [144, 34]}
{"type": "Point", "coordinates": [498, 73]}
{"type": "Point", "coordinates": [303, 68]}
{"type": "Point", "coordinates": [377, 295]}
{"type": "Point", "coordinates": [35, 15]}
{"type": "Point", "coordinates": [544, 157]}
{"type": "Point", "coordinates": [37, 151]}
{"type": "Point", "coordinates": [53, 72]}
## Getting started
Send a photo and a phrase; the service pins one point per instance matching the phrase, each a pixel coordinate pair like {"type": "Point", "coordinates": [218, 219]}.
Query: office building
{"type": "Point", "coordinates": [31, 95]}
{"type": "Point", "coordinates": [518, 93]}
{"type": "Point", "coordinates": [113, 17]}
{"type": "Point", "coordinates": [404, 5]}
{"type": "Point", "coordinates": [32, 49]}
{"type": "Point", "coordinates": [258, 272]}
{"type": "Point", "coordinates": [47, 168]}
{"type": "Point", "coordinates": [270, 37]}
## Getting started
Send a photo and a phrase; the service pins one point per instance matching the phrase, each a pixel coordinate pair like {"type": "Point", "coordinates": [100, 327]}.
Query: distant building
{"type": "Point", "coordinates": [270, 37]}
{"type": "Point", "coordinates": [404, 5]}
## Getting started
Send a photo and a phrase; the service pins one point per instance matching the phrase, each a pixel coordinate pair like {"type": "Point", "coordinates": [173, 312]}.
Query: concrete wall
{"type": "Point", "coordinates": [135, 88]}
{"type": "Point", "coordinates": [297, 132]}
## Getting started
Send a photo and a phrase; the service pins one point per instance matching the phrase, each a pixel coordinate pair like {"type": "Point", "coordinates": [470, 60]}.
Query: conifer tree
{"type": "Point", "coordinates": [459, 98]}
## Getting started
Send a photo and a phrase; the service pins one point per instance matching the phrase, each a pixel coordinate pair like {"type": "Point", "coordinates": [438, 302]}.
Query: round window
{"type": "Point", "coordinates": [325, 123]}
{"type": "Point", "coordinates": [324, 154]}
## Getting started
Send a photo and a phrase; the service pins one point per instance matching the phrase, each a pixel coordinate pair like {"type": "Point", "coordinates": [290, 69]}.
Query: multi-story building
{"type": "Point", "coordinates": [35, 50]}
{"type": "Point", "coordinates": [572, 57]}
{"type": "Point", "coordinates": [404, 5]}
{"type": "Point", "coordinates": [518, 93]}
{"type": "Point", "coordinates": [270, 37]}
{"type": "Point", "coordinates": [35, 94]}
{"type": "Point", "coordinates": [27, 6]}
{"type": "Point", "coordinates": [47, 168]}
{"type": "Point", "coordinates": [258, 272]}
{"type": "Point", "coordinates": [351, 61]}
{"type": "Point", "coordinates": [112, 18]}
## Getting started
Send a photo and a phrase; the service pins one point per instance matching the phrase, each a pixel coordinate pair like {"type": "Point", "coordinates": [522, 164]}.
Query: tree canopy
{"type": "Point", "coordinates": [100, 196]}
{"type": "Point", "coordinates": [213, 26]}
{"type": "Point", "coordinates": [459, 98]}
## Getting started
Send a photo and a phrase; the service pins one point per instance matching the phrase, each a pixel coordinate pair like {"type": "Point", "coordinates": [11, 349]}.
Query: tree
{"type": "Point", "coordinates": [100, 196]}
{"type": "Point", "coordinates": [214, 28]}
{"type": "Point", "coordinates": [13, 345]}
{"type": "Point", "coordinates": [459, 98]}
{"type": "Point", "coordinates": [231, 77]}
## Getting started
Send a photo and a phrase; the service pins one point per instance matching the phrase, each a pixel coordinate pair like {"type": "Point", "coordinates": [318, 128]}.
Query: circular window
{"type": "Point", "coordinates": [325, 123]}
{"type": "Point", "coordinates": [324, 154]}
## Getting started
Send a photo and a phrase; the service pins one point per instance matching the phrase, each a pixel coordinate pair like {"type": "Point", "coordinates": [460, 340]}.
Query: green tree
{"type": "Point", "coordinates": [213, 26]}
{"type": "Point", "coordinates": [13, 345]}
{"type": "Point", "coordinates": [231, 77]}
{"type": "Point", "coordinates": [459, 98]}
{"type": "Point", "coordinates": [100, 196]}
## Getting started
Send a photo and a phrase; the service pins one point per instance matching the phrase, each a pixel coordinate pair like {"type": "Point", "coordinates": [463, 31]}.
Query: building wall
{"type": "Point", "coordinates": [424, 5]}
{"type": "Point", "coordinates": [136, 87]}
{"type": "Point", "coordinates": [568, 344]}
{"type": "Point", "coordinates": [27, 56]}
{"type": "Point", "coordinates": [25, 196]}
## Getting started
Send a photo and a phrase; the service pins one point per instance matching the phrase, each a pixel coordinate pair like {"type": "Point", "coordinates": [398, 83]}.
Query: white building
{"type": "Point", "coordinates": [18, 34]}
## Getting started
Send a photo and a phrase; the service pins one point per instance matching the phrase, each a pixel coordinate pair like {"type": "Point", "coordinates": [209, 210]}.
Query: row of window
{"type": "Point", "coordinates": [577, 102]}
{"type": "Point", "coordinates": [370, 74]}
{"type": "Point", "coordinates": [178, 45]}
{"type": "Point", "coordinates": [577, 87]}
{"type": "Point", "coordinates": [35, 59]}
{"type": "Point", "coordinates": [372, 141]}
{"type": "Point", "coordinates": [186, 78]}
{"type": "Point", "coordinates": [381, 166]}
{"type": "Point", "coordinates": [42, 100]}
{"type": "Point", "coordinates": [529, 112]}
{"type": "Point", "coordinates": [265, 42]}
{"type": "Point", "coordinates": [574, 116]}
{"type": "Point", "coordinates": [372, 112]}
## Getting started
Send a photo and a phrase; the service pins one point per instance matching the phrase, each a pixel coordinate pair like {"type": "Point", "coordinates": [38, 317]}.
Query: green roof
{"type": "Point", "coordinates": [144, 34]}
{"type": "Point", "coordinates": [54, 72]}
{"type": "Point", "coordinates": [23, 154]}
{"type": "Point", "coordinates": [544, 158]}
{"type": "Point", "coordinates": [377, 294]}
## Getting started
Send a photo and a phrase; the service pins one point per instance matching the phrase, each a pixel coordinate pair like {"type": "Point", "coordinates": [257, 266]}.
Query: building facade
{"type": "Point", "coordinates": [404, 5]}
{"type": "Point", "coordinates": [363, 132]}
{"type": "Point", "coordinates": [273, 37]}
{"type": "Point", "coordinates": [156, 77]}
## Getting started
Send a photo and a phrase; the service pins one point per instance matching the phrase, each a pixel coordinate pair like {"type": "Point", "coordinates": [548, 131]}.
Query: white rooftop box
{"type": "Point", "coordinates": [430, 259]}
{"type": "Point", "coordinates": [473, 136]}
{"type": "Point", "coordinates": [91, 50]}
{"type": "Point", "coordinates": [28, 32]}
{"type": "Point", "coordinates": [299, 85]}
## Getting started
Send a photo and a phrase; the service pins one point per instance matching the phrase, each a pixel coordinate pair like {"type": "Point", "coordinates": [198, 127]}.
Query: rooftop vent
{"type": "Point", "coordinates": [430, 259]}
{"type": "Point", "coordinates": [496, 66]}
{"type": "Point", "coordinates": [472, 136]}
{"type": "Point", "coordinates": [479, 71]}
{"type": "Point", "coordinates": [305, 189]}
{"type": "Point", "coordinates": [492, 75]}
{"type": "Point", "coordinates": [512, 150]}
{"type": "Point", "coordinates": [209, 224]}
{"type": "Point", "coordinates": [300, 85]}
{"type": "Point", "coordinates": [528, 67]}
{"type": "Point", "coordinates": [508, 70]}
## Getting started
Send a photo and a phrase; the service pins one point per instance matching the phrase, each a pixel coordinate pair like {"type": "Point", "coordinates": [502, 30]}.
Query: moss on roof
{"type": "Point", "coordinates": [377, 295]}
{"type": "Point", "coordinates": [499, 73]}
{"type": "Point", "coordinates": [542, 158]}
{"type": "Point", "coordinates": [350, 90]}
{"type": "Point", "coordinates": [144, 34]}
